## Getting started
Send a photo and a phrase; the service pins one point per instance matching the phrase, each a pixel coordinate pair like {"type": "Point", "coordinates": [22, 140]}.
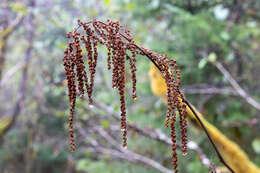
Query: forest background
{"type": "Point", "coordinates": [216, 44]}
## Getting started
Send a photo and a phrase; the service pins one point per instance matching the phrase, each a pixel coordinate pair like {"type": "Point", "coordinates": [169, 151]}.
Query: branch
{"type": "Point", "coordinates": [120, 152]}
{"type": "Point", "coordinates": [23, 86]}
{"type": "Point", "coordinates": [155, 134]}
{"type": "Point", "coordinates": [13, 26]}
{"type": "Point", "coordinates": [208, 135]}
{"type": "Point", "coordinates": [7, 31]}
{"type": "Point", "coordinates": [10, 73]}
{"type": "Point", "coordinates": [236, 86]}
{"type": "Point", "coordinates": [209, 90]}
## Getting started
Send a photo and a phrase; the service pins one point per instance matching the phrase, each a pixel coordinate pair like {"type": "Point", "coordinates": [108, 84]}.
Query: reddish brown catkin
{"type": "Point", "coordinates": [69, 64]}
{"type": "Point", "coordinates": [174, 145]}
{"type": "Point", "coordinates": [79, 64]}
{"type": "Point", "coordinates": [183, 115]}
{"type": "Point", "coordinates": [119, 42]}
{"type": "Point", "coordinates": [133, 67]}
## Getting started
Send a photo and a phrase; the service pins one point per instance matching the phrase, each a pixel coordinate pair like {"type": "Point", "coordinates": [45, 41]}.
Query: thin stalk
{"type": "Point", "coordinates": [208, 135]}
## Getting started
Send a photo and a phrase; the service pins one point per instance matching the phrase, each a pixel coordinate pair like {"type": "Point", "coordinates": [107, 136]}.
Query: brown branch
{"type": "Point", "coordinates": [236, 86]}
{"type": "Point", "coordinates": [208, 135]}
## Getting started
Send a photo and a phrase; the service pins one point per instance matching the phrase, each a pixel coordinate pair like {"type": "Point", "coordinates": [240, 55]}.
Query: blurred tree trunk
{"type": "Point", "coordinates": [7, 28]}
{"type": "Point", "coordinates": [23, 85]}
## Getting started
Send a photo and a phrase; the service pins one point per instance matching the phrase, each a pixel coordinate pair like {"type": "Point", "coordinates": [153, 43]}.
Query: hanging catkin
{"type": "Point", "coordinates": [118, 42]}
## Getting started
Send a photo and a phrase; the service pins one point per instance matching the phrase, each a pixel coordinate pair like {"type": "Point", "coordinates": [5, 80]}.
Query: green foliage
{"type": "Point", "coordinates": [194, 35]}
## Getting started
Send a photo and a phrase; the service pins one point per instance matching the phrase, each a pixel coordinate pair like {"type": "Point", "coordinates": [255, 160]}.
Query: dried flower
{"type": "Point", "coordinates": [118, 42]}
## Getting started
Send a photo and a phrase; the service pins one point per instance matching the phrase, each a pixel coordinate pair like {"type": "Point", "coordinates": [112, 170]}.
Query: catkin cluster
{"type": "Point", "coordinates": [120, 49]}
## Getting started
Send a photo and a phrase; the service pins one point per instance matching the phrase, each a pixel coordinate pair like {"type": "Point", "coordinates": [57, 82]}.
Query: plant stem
{"type": "Point", "coordinates": [208, 135]}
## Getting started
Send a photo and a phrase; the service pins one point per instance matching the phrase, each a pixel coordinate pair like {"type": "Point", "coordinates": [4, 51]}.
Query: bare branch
{"type": "Point", "coordinates": [13, 25]}
{"type": "Point", "coordinates": [10, 73]}
{"type": "Point", "coordinates": [121, 152]}
{"type": "Point", "coordinates": [236, 86]}
{"type": "Point", "coordinates": [209, 90]}
{"type": "Point", "coordinates": [154, 133]}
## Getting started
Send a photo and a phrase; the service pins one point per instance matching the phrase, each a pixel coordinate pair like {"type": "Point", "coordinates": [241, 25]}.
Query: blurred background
{"type": "Point", "coordinates": [216, 44]}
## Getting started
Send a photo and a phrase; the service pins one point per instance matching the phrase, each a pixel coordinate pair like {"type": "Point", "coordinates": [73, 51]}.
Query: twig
{"type": "Point", "coordinates": [155, 134]}
{"type": "Point", "coordinates": [208, 135]}
{"type": "Point", "coordinates": [13, 26]}
{"type": "Point", "coordinates": [209, 90]}
{"type": "Point", "coordinates": [236, 86]}
{"type": "Point", "coordinates": [10, 73]}
{"type": "Point", "coordinates": [121, 152]}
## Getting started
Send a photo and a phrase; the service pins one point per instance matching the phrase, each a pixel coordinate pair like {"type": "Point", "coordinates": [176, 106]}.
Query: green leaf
{"type": "Point", "coordinates": [256, 145]}
{"type": "Point", "coordinates": [202, 63]}
{"type": "Point", "coordinates": [18, 7]}
{"type": "Point", "coordinates": [224, 35]}
{"type": "Point", "coordinates": [82, 165]}
{"type": "Point", "coordinates": [212, 57]}
{"type": "Point", "coordinates": [107, 2]}
{"type": "Point", "coordinates": [154, 4]}
{"type": "Point", "coordinates": [220, 12]}
{"type": "Point", "coordinates": [130, 6]}
{"type": "Point", "coordinates": [176, 10]}
{"type": "Point", "coordinates": [105, 124]}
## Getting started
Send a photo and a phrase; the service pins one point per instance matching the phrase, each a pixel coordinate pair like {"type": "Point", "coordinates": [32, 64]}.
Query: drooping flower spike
{"type": "Point", "coordinates": [119, 41]}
